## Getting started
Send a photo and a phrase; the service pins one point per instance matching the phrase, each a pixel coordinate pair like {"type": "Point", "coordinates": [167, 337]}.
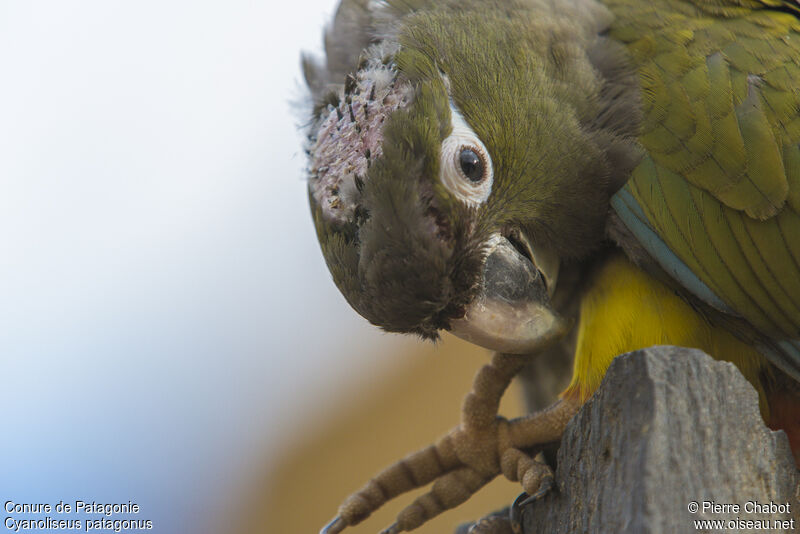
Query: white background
{"type": "Point", "coordinates": [165, 311]}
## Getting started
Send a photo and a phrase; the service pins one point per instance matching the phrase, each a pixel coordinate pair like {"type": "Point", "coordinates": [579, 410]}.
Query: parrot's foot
{"type": "Point", "coordinates": [481, 447]}
{"type": "Point", "coordinates": [508, 520]}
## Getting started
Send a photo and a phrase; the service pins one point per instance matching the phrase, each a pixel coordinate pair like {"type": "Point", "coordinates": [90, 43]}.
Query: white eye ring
{"type": "Point", "coordinates": [472, 190]}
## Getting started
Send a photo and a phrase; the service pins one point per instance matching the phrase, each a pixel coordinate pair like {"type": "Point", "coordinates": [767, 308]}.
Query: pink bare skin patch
{"type": "Point", "coordinates": [350, 136]}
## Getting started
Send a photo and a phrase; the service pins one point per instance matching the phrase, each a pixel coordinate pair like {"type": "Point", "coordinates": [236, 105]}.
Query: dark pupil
{"type": "Point", "coordinates": [471, 165]}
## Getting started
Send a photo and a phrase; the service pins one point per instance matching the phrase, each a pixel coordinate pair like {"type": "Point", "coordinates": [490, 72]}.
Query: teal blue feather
{"type": "Point", "coordinates": [631, 214]}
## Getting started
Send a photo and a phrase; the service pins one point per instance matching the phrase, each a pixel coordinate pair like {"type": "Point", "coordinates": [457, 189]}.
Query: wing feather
{"type": "Point", "coordinates": [719, 188]}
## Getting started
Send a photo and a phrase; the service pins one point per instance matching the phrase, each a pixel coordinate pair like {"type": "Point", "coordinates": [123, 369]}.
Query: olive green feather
{"type": "Point", "coordinates": [720, 84]}
{"type": "Point", "coordinates": [408, 253]}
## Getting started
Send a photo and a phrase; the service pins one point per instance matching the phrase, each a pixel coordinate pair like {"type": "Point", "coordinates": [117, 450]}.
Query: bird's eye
{"type": "Point", "coordinates": [466, 166]}
{"type": "Point", "coordinates": [471, 165]}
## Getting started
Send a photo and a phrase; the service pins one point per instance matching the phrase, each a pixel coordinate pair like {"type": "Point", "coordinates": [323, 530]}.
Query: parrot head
{"type": "Point", "coordinates": [449, 180]}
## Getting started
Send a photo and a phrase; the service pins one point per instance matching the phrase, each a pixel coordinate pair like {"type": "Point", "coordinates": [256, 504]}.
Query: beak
{"type": "Point", "coordinates": [512, 313]}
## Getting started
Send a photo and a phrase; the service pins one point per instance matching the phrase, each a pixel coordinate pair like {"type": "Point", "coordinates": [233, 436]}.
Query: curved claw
{"type": "Point", "coordinates": [517, 509]}
{"type": "Point", "coordinates": [394, 528]}
{"type": "Point", "coordinates": [545, 486]}
{"type": "Point", "coordinates": [515, 512]}
{"type": "Point", "coordinates": [464, 460]}
{"type": "Point", "coordinates": [334, 527]}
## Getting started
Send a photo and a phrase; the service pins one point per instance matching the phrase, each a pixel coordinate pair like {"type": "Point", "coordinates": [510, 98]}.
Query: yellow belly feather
{"type": "Point", "coordinates": [626, 309]}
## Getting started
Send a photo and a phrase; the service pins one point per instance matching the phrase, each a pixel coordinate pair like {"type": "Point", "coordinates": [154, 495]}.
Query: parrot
{"type": "Point", "coordinates": [611, 174]}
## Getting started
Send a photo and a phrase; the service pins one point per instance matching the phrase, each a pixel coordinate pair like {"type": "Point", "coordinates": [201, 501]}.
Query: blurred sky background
{"type": "Point", "coordinates": [165, 312]}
